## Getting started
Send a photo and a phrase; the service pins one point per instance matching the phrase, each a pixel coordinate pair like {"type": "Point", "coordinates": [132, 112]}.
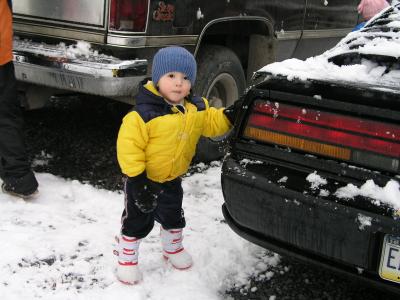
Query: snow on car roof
{"type": "Point", "coordinates": [378, 40]}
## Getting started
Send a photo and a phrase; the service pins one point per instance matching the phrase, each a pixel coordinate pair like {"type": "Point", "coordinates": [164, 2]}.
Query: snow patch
{"type": "Point", "coordinates": [389, 194]}
{"type": "Point", "coordinates": [363, 221]}
{"type": "Point", "coordinates": [283, 179]}
{"type": "Point", "coordinates": [316, 180]}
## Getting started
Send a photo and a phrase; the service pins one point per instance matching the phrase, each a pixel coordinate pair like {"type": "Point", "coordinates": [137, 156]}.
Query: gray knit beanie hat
{"type": "Point", "coordinates": [173, 59]}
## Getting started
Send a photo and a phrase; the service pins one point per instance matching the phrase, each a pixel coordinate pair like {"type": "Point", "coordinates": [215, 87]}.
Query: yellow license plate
{"type": "Point", "coordinates": [389, 268]}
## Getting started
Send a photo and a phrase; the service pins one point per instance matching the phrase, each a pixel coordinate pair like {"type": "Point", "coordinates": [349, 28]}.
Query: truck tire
{"type": "Point", "coordinates": [220, 79]}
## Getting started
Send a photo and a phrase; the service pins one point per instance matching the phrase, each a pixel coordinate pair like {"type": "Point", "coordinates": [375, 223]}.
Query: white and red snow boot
{"type": "Point", "coordinates": [128, 271]}
{"type": "Point", "coordinates": [173, 249]}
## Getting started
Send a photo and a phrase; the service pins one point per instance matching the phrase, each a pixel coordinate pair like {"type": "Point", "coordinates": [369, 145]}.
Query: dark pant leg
{"type": "Point", "coordinates": [169, 212]}
{"type": "Point", "coordinates": [135, 223]}
{"type": "Point", "coordinates": [15, 168]}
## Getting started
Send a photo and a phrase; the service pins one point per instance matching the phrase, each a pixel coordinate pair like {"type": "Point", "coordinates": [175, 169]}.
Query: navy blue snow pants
{"type": "Point", "coordinates": [168, 213]}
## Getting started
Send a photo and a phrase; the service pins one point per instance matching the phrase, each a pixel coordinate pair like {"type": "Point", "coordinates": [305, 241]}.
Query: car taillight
{"type": "Point", "coordinates": [362, 141]}
{"type": "Point", "coordinates": [128, 15]}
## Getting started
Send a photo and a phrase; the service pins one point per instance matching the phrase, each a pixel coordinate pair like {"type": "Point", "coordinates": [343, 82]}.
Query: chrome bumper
{"type": "Point", "coordinates": [88, 73]}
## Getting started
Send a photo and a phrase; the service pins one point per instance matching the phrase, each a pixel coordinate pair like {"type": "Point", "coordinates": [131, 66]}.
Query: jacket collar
{"type": "Point", "coordinates": [148, 94]}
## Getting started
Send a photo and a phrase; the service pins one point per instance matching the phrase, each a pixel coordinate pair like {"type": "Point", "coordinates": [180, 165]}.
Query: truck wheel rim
{"type": "Point", "coordinates": [223, 91]}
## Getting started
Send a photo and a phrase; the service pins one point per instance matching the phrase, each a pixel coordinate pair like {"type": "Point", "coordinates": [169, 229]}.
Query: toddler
{"type": "Point", "coordinates": [155, 146]}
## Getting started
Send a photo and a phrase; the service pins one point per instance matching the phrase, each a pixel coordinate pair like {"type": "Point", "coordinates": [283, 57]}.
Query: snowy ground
{"type": "Point", "coordinates": [59, 246]}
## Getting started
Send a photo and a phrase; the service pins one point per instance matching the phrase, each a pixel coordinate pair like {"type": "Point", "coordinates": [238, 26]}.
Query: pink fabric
{"type": "Point", "coordinates": [369, 8]}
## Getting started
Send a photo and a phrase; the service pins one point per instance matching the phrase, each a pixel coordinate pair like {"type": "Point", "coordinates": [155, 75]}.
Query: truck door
{"type": "Point", "coordinates": [326, 22]}
{"type": "Point", "coordinates": [288, 26]}
{"type": "Point", "coordinates": [287, 18]}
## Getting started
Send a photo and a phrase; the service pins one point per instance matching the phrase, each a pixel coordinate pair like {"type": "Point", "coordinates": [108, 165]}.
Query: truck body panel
{"type": "Point", "coordinates": [84, 12]}
{"type": "Point", "coordinates": [258, 32]}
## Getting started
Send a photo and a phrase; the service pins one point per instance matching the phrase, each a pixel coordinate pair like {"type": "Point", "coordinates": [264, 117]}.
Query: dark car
{"type": "Point", "coordinates": [313, 169]}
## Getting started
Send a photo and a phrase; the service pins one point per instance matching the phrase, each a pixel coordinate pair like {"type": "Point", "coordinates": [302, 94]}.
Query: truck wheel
{"type": "Point", "coordinates": [220, 79]}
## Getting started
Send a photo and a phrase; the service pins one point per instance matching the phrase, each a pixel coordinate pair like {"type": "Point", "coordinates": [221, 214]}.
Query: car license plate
{"type": "Point", "coordinates": [389, 268]}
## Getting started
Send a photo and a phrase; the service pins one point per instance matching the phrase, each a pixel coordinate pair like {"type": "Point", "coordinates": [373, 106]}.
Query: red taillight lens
{"type": "Point", "coordinates": [325, 119]}
{"type": "Point", "coordinates": [128, 15]}
{"type": "Point", "coordinates": [334, 135]}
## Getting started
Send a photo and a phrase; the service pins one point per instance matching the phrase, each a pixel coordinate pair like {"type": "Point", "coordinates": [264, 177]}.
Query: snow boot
{"type": "Point", "coordinates": [128, 271]}
{"type": "Point", "coordinates": [173, 249]}
{"type": "Point", "coordinates": [26, 195]}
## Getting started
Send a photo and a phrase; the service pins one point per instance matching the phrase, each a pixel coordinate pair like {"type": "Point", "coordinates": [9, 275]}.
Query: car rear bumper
{"type": "Point", "coordinates": [304, 226]}
{"type": "Point", "coordinates": [56, 67]}
{"type": "Point", "coordinates": [304, 256]}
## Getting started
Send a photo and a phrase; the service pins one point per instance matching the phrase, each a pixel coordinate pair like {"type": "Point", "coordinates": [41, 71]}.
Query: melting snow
{"type": "Point", "coordinates": [315, 180]}
{"type": "Point", "coordinates": [389, 194]}
{"type": "Point", "coordinates": [363, 221]}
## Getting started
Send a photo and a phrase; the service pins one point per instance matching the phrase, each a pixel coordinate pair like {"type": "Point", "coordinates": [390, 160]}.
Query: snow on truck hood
{"type": "Point", "coordinates": [378, 41]}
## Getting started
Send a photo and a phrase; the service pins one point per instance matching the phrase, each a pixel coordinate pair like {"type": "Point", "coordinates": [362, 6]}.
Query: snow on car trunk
{"type": "Point", "coordinates": [377, 39]}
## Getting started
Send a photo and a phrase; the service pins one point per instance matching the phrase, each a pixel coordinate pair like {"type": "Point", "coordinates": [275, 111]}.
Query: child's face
{"type": "Point", "coordinates": [174, 86]}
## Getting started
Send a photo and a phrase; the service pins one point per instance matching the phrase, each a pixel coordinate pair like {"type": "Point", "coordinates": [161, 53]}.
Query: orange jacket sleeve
{"type": "Point", "coordinates": [6, 40]}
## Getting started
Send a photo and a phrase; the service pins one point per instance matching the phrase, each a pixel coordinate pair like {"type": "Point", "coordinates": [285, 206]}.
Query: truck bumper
{"type": "Point", "coordinates": [94, 74]}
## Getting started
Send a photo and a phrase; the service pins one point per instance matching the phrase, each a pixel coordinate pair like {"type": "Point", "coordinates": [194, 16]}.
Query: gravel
{"type": "Point", "coordinates": [75, 138]}
{"type": "Point", "coordinates": [295, 280]}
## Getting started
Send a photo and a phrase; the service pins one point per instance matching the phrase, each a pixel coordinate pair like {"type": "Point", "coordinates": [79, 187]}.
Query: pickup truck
{"type": "Point", "coordinates": [104, 47]}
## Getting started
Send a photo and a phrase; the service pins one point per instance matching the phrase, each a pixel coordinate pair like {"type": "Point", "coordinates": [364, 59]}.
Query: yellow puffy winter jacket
{"type": "Point", "coordinates": [160, 138]}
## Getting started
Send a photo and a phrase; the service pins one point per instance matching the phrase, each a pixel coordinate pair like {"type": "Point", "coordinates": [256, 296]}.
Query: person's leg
{"type": "Point", "coordinates": [135, 226]}
{"type": "Point", "coordinates": [169, 214]}
{"type": "Point", "coordinates": [15, 169]}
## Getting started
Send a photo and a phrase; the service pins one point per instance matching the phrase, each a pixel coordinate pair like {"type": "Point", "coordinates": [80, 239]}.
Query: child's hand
{"type": "Point", "coordinates": [147, 197]}
{"type": "Point", "coordinates": [232, 111]}
{"type": "Point", "coordinates": [143, 192]}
